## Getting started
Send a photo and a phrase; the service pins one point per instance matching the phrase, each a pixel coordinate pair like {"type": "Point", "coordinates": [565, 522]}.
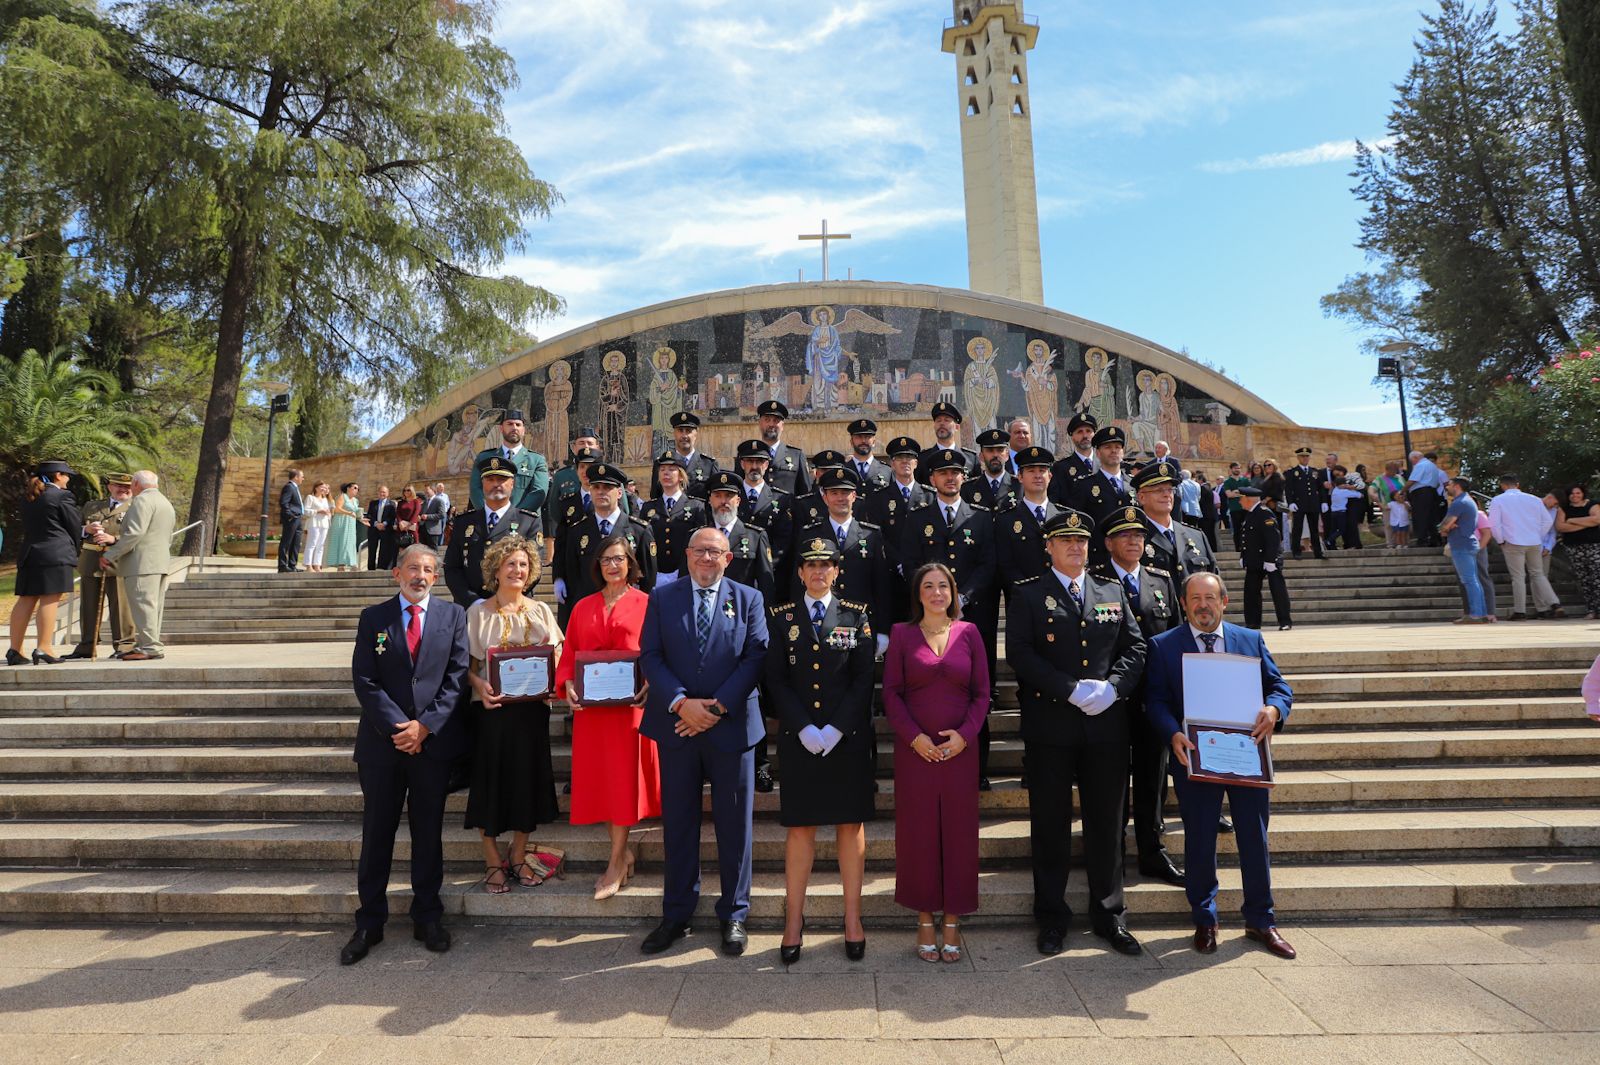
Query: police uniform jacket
{"type": "Point", "coordinates": [532, 483]}
{"type": "Point", "coordinates": [470, 537]}
{"type": "Point", "coordinates": [976, 490]}
{"type": "Point", "coordinates": [672, 531]}
{"type": "Point", "coordinates": [1157, 608]}
{"type": "Point", "coordinates": [1020, 550]}
{"type": "Point", "coordinates": [864, 570]}
{"type": "Point", "coordinates": [1192, 553]}
{"type": "Point", "coordinates": [1052, 644]}
{"type": "Point", "coordinates": [821, 680]}
{"type": "Point", "coordinates": [1067, 471]}
{"type": "Point", "coordinates": [1305, 488]}
{"type": "Point", "coordinates": [878, 474]}
{"type": "Point", "coordinates": [1097, 497]}
{"type": "Point", "coordinates": [752, 564]}
{"type": "Point", "coordinates": [789, 472]}
{"type": "Point", "coordinates": [579, 541]}
{"type": "Point", "coordinates": [925, 459]}
{"type": "Point", "coordinates": [772, 513]}
{"type": "Point", "coordinates": [702, 468]}
{"type": "Point", "coordinates": [52, 529]}
{"type": "Point", "coordinates": [888, 505]}
{"type": "Point", "coordinates": [967, 547]}
{"type": "Point", "coordinates": [1262, 538]}
{"type": "Point", "coordinates": [110, 519]}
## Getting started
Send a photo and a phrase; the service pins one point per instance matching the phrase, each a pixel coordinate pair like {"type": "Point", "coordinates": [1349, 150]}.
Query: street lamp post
{"type": "Point", "coordinates": [278, 403]}
{"type": "Point", "coordinates": [1394, 366]}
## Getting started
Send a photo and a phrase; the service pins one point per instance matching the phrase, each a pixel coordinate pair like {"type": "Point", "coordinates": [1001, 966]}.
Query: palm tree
{"type": "Point", "coordinates": [51, 408]}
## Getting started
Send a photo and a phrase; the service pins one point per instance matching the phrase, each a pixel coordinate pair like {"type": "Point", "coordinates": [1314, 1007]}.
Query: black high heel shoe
{"type": "Point", "coordinates": [14, 659]}
{"type": "Point", "coordinates": [855, 949]}
{"type": "Point", "coordinates": [791, 954]}
{"type": "Point", "coordinates": [40, 656]}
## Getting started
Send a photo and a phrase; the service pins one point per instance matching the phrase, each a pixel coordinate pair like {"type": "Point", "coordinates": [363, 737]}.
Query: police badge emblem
{"type": "Point", "coordinates": [583, 542]}
{"type": "Point", "coordinates": [1049, 602]}
{"type": "Point", "coordinates": [1016, 527]}
{"type": "Point", "coordinates": [794, 633]}
{"type": "Point", "coordinates": [1094, 490]}
{"type": "Point", "coordinates": [927, 530]}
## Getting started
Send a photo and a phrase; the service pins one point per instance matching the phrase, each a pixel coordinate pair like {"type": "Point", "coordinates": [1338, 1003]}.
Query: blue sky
{"type": "Point", "coordinates": [1193, 162]}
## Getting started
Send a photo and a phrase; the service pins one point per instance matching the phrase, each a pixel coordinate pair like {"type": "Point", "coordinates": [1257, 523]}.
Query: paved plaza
{"type": "Point", "coordinates": [1503, 991]}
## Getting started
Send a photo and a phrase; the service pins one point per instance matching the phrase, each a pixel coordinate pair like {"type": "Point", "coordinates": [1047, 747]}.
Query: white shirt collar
{"type": "Point", "coordinates": [508, 447]}
{"type": "Point", "coordinates": [676, 497]}
{"type": "Point", "coordinates": [714, 587]}
{"type": "Point", "coordinates": [688, 456]}
{"type": "Point", "coordinates": [912, 483]}
{"type": "Point", "coordinates": [498, 514]}
{"type": "Point", "coordinates": [424, 603]}
{"type": "Point", "coordinates": [613, 517]}
{"type": "Point", "coordinates": [1033, 505]}
{"type": "Point", "coordinates": [826, 601]}
{"type": "Point", "coordinates": [1198, 642]}
{"type": "Point", "coordinates": [1067, 582]}
{"type": "Point", "coordinates": [840, 526]}
{"type": "Point", "coordinates": [1167, 528]}
{"type": "Point", "coordinates": [1136, 572]}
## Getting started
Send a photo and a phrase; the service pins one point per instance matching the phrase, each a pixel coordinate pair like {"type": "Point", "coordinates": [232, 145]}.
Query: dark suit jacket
{"type": "Point", "coordinates": [381, 510]}
{"type": "Point", "coordinates": [393, 690]}
{"type": "Point", "coordinates": [727, 672]}
{"type": "Point", "coordinates": [968, 548]}
{"type": "Point", "coordinates": [1164, 679]}
{"type": "Point", "coordinates": [290, 504]}
{"type": "Point", "coordinates": [52, 529]}
{"type": "Point", "coordinates": [839, 693]}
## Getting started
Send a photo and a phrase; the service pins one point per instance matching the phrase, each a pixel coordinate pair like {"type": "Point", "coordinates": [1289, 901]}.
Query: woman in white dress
{"type": "Point", "coordinates": [319, 512]}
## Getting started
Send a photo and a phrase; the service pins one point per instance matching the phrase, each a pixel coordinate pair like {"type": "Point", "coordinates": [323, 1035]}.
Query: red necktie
{"type": "Point", "coordinates": [414, 630]}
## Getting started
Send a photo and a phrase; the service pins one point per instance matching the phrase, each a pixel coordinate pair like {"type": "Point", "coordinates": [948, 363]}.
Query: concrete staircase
{"type": "Point", "coordinates": [1420, 777]}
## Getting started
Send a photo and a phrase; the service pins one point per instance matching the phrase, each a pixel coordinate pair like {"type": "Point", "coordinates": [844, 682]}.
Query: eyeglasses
{"type": "Point", "coordinates": [707, 552]}
{"type": "Point", "coordinates": [614, 560]}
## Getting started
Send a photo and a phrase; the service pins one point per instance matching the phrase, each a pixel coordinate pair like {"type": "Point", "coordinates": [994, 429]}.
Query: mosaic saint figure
{"type": "Point", "coordinates": [980, 387]}
{"type": "Point", "coordinates": [825, 353]}
{"type": "Point", "coordinates": [666, 394]}
{"type": "Point", "coordinates": [557, 401]}
{"type": "Point", "coordinates": [1170, 417]}
{"type": "Point", "coordinates": [463, 444]}
{"type": "Point", "coordinates": [1039, 385]}
{"type": "Point", "coordinates": [614, 397]}
{"type": "Point", "coordinates": [1146, 427]}
{"type": "Point", "coordinates": [1099, 398]}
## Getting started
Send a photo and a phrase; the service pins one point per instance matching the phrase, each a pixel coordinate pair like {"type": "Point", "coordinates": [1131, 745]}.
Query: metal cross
{"type": "Point", "coordinates": [824, 236]}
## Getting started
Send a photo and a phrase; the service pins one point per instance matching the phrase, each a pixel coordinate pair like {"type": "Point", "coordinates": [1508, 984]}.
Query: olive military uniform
{"type": "Point", "coordinates": [95, 583]}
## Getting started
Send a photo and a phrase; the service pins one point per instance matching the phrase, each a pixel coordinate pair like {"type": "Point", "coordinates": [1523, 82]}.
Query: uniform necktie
{"type": "Point", "coordinates": [670, 502]}
{"type": "Point", "coordinates": [114, 503]}
{"type": "Point", "coordinates": [950, 515]}
{"type": "Point", "coordinates": [994, 489]}
{"type": "Point", "coordinates": [1172, 539]}
{"type": "Point", "coordinates": [493, 519]}
{"type": "Point", "coordinates": [1116, 483]}
{"type": "Point", "coordinates": [605, 527]}
{"type": "Point", "coordinates": [588, 504]}
{"type": "Point", "coordinates": [1038, 512]}
{"type": "Point", "coordinates": [861, 467]}
{"type": "Point", "coordinates": [505, 453]}
{"type": "Point", "coordinates": [816, 619]}
{"type": "Point", "coordinates": [1131, 586]}
{"type": "Point", "coordinates": [905, 492]}
{"type": "Point", "coordinates": [702, 619]}
{"type": "Point", "coordinates": [1077, 596]}
{"type": "Point", "coordinates": [755, 497]}
{"type": "Point", "coordinates": [838, 531]}
{"type": "Point", "coordinates": [1210, 639]}
{"type": "Point", "coordinates": [414, 630]}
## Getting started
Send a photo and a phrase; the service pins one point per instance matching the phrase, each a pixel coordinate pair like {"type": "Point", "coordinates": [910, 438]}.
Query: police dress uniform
{"type": "Point", "coordinates": [1305, 489]}
{"type": "Point", "coordinates": [1020, 526]}
{"type": "Point", "coordinates": [672, 522]}
{"type": "Point", "coordinates": [864, 562]}
{"type": "Point", "coordinates": [753, 564]}
{"type": "Point", "coordinates": [924, 460]}
{"type": "Point", "coordinates": [95, 585]}
{"type": "Point", "coordinates": [1053, 642]}
{"type": "Point", "coordinates": [1100, 495]}
{"type": "Point", "coordinates": [885, 509]}
{"type": "Point", "coordinates": [788, 472]}
{"type": "Point", "coordinates": [472, 533]}
{"type": "Point", "coordinates": [1071, 466]}
{"type": "Point", "coordinates": [533, 473]}
{"type": "Point", "coordinates": [578, 542]}
{"type": "Point", "coordinates": [1187, 551]}
{"type": "Point", "coordinates": [770, 512]}
{"type": "Point", "coordinates": [700, 466]}
{"type": "Point", "coordinates": [821, 672]}
{"type": "Point", "coordinates": [1263, 546]}
{"type": "Point", "coordinates": [52, 532]}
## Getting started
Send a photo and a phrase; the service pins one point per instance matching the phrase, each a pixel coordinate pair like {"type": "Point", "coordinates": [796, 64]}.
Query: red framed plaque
{"type": "Point", "coordinates": [1228, 754]}
{"type": "Point", "coordinates": [522, 674]}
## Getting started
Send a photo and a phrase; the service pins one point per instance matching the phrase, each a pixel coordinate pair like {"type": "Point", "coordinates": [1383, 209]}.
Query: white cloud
{"type": "Point", "coordinates": [1317, 154]}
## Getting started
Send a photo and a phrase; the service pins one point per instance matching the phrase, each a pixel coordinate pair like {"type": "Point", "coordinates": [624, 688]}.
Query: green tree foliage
{"type": "Point", "coordinates": [1481, 217]}
{"type": "Point", "coordinates": [1579, 23]}
{"type": "Point", "coordinates": [1560, 403]}
{"type": "Point", "coordinates": [321, 179]}
{"type": "Point", "coordinates": [32, 317]}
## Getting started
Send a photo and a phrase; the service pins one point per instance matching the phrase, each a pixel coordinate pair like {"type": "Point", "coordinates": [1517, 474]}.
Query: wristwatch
{"type": "Point", "coordinates": [717, 708]}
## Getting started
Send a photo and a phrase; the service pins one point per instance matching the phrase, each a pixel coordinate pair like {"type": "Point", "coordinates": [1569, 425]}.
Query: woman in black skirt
{"type": "Point", "coordinates": [513, 784]}
{"type": "Point", "coordinates": [820, 677]}
{"type": "Point", "coordinates": [52, 529]}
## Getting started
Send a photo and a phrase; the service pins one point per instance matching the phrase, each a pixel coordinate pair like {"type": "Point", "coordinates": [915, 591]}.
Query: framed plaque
{"type": "Point", "coordinates": [522, 674]}
{"type": "Point", "coordinates": [608, 678]}
{"type": "Point", "coordinates": [1228, 754]}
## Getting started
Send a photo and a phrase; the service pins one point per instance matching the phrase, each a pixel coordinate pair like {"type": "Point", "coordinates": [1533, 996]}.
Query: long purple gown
{"type": "Point", "coordinates": [936, 804]}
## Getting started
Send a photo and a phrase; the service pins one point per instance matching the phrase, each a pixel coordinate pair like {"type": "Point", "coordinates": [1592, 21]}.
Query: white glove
{"type": "Point", "coordinates": [1241, 563]}
{"type": "Point", "coordinates": [1324, 508]}
{"type": "Point", "coordinates": [1270, 567]}
{"type": "Point", "coordinates": [811, 739]}
{"type": "Point", "coordinates": [830, 738]}
{"type": "Point", "coordinates": [1098, 703]}
{"type": "Point", "coordinates": [1294, 508]}
{"type": "Point", "coordinates": [1081, 693]}
{"type": "Point", "coordinates": [561, 590]}
{"type": "Point", "coordinates": [883, 644]}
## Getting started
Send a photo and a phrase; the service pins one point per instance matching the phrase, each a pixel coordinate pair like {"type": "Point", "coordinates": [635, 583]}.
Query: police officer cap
{"type": "Point", "coordinates": [1154, 475]}
{"type": "Point", "coordinates": [948, 409]}
{"type": "Point", "coordinates": [605, 473]}
{"type": "Point", "coordinates": [512, 414]}
{"type": "Point", "coordinates": [668, 457]}
{"type": "Point", "coordinates": [823, 460]}
{"type": "Point", "coordinates": [948, 458]}
{"type": "Point", "coordinates": [1035, 456]}
{"type": "Point", "coordinates": [496, 466]}
{"type": "Point", "coordinates": [1302, 450]}
{"type": "Point", "coordinates": [1069, 522]}
{"type": "Point", "coordinates": [685, 419]}
{"type": "Point", "coordinates": [586, 454]}
{"type": "Point", "coordinates": [585, 431]}
{"type": "Point", "coordinates": [1081, 421]}
{"type": "Point", "coordinates": [774, 408]}
{"type": "Point", "coordinates": [1124, 519]}
{"type": "Point", "coordinates": [1111, 434]}
{"type": "Point", "coordinates": [993, 438]}
{"type": "Point", "coordinates": [51, 467]}
{"type": "Point", "coordinates": [125, 479]}
{"type": "Point", "coordinates": [724, 481]}
{"type": "Point", "coordinates": [863, 427]}
{"type": "Point", "coordinates": [903, 445]}
{"type": "Point", "coordinates": [755, 449]}
{"type": "Point", "coordinates": [842, 477]}
{"type": "Point", "coordinates": [1250, 490]}
{"type": "Point", "coordinates": [821, 549]}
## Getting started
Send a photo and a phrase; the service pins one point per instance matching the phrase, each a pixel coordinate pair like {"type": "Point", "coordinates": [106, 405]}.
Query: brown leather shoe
{"type": "Point", "coordinates": [140, 656]}
{"type": "Point", "coordinates": [1269, 938]}
{"type": "Point", "coordinates": [1205, 939]}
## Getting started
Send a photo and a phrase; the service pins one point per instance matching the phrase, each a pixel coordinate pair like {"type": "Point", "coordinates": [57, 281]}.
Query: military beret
{"type": "Point", "coordinates": [839, 477]}
{"type": "Point", "coordinates": [497, 466]}
{"type": "Point", "coordinates": [685, 419]}
{"type": "Point", "coordinates": [948, 409]}
{"type": "Point", "coordinates": [774, 408]}
{"type": "Point", "coordinates": [725, 481]}
{"type": "Point", "coordinates": [993, 438]}
{"type": "Point", "coordinates": [1124, 519]}
{"type": "Point", "coordinates": [903, 445]}
{"type": "Point", "coordinates": [1035, 456]}
{"type": "Point", "coordinates": [605, 473]}
{"type": "Point", "coordinates": [1154, 475]}
{"type": "Point", "coordinates": [1069, 522]}
{"type": "Point", "coordinates": [947, 458]}
{"type": "Point", "coordinates": [863, 427]}
{"type": "Point", "coordinates": [820, 549]}
{"type": "Point", "coordinates": [823, 460]}
{"type": "Point", "coordinates": [1111, 434]}
{"type": "Point", "coordinates": [1081, 421]}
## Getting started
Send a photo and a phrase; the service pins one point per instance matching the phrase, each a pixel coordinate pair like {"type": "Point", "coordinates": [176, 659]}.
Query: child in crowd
{"type": "Point", "coordinates": [1400, 519]}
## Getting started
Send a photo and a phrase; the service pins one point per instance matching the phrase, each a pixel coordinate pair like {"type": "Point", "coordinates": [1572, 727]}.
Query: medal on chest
{"type": "Point", "coordinates": [842, 639]}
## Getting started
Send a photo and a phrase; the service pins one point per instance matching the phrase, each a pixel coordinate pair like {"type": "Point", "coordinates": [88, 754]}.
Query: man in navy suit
{"type": "Point", "coordinates": [1205, 597]}
{"type": "Point", "coordinates": [290, 509]}
{"type": "Point", "coordinates": [703, 649]}
{"type": "Point", "coordinates": [409, 669]}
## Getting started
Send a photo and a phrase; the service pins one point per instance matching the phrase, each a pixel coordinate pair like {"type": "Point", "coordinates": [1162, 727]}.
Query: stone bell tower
{"type": "Point", "coordinates": [991, 41]}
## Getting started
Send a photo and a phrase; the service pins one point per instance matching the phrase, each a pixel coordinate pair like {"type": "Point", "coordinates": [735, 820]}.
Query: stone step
{"type": "Point", "coordinates": [167, 702]}
{"type": "Point", "coordinates": [251, 798]}
{"type": "Point", "coordinates": [1003, 842]}
{"type": "Point", "coordinates": [264, 668]}
{"type": "Point", "coordinates": [255, 637]}
{"type": "Point", "coordinates": [1349, 891]}
{"type": "Point", "coordinates": [217, 626]}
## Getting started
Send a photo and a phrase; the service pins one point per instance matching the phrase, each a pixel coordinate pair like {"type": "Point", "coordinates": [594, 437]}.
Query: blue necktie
{"type": "Point", "coordinates": [839, 530]}
{"type": "Point", "coordinates": [1038, 512]}
{"type": "Point", "coordinates": [605, 527]}
{"type": "Point", "coordinates": [702, 621]}
{"type": "Point", "coordinates": [755, 498]}
{"type": "Point", "coordinates": [1172, 539]}
{"type": "Point", "coordinates": [1116, 483]}
{"type": "Point", "coordinates": [816, 620]}
{"type": "Point", "coordinates": [670, 501]}
{"type": "Point", "coordinates": [588, 504]}
{"type": "Point", "coordinates": [950, 516]}
{"type": "Point", "coordinates": [1211, 641]}
{"type": "Point", "coordinates": [1077, 596]}
{"type": "Point", "coordinates": [1131, 587]}
{"type": "Point", "coordinates": [905, 492]}
{"type": "Point", "coordinates": [493, 519]}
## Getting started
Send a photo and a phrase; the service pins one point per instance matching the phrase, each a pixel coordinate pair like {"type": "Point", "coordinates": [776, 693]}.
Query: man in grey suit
{"type": "Point", "coordinates": [290, 507]}
{"type": "Point", "coordinates": [142, 555]}
{"type": "Point", "coordinates": [433, 515]}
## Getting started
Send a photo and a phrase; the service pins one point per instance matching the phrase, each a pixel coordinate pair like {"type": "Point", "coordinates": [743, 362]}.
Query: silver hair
{"type": "Point", "coordinates": [423, 549]}
{"type": "Point", "coordinates": [145, 479]}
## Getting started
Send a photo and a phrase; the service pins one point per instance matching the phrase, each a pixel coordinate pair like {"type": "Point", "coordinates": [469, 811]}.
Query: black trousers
{"type": "Point", "coordinates": [1425, 517]}
{"type": "Point", "coordinates": [418, 785]}
{"type": "Point", "coordinates": [985, 614]}
{"type": "Point", "coordinates": [1236, 520]}
{"type": "Point", "coordinates": [1252, 596]}
{"type": "Point", "coordinates": [1307, 517]}
{"type": "Point", "coordinates": [1101, 770]}
{"type": "Point", "coordinates": [1147, 753]}
{"type": "Point", "coordinates": [289, 545]}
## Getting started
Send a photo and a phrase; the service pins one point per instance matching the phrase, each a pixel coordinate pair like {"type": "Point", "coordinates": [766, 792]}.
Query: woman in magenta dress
{"type": "Point", "coordinates": [936, 695]}
{"type": "Point", "coordinates": [616, 779]}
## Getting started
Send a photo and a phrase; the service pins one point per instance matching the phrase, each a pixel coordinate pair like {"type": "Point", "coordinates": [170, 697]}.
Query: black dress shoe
{"type": "Point", "coordinates": [14, 659]}
{"type": "Point", "coordinates": [855, 949]}
{"type": "Point", "coordinates": [1119, 937]}
{"type": "Point", "coordinates": [665, 934]}
{"type": "Point", "coordinates": [734, 939]}
{"type": "Point", "coordinates": [433, 935]}
{"type": "Point", "coordinates": [77, 653]}
{"type": "Point", "coordinates": [1162, 869]}
{"type": "Point", "coordinates": [984, 785]}
{"type": "Point", "coordinates": [364, 940]}
{"type": "Point", "coordinates": [789, 954]}
{"type": "Point", "coordinates": [764, 779]}
{"type": "Point", "coordinates": [1225, 826]}
{"type": "Point", "coordinates": [1205, 939]}
{"type": "Point", "coordinates": [1052, 940]}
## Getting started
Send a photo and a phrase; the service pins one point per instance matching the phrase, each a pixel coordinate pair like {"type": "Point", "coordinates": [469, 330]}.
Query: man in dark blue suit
{"type": "Point", "coordinates": [703, 649]}
{"type": "Point", "coordinates": [1205, 597]}
{"type": "Point", "coordinates": [409, 669]}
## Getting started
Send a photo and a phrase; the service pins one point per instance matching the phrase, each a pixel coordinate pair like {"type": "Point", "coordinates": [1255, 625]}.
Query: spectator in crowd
{"type": "Point", "coordinates": [1188, 499]}
{"type": "Point", "coordinates": [1258, 474]}
{"type": "Point", "coordinates": [1349, 503]}
{"type": "Point", "coordinates": [1460, 529]}
{"type": "Point", "coordinates": [1520, 522]}
{"type": "Point", "coordinates": [290, 509]}
{"type": "Point", "coordinates": [318, 515]}
{"type": "Point", "coordinates": [1591, 692]}
{"type": "Point", "coordinates": [142, 555]}
{"type": "Point", "coordinates": [435, 510]}
{"type": "Point", "coordinates": [1552, 506]}
{"type": "Point", "coordinates": [407, 518]}
{"type": "Point", "coordinates": [1485, 530]}
{"type": "Point", "coordinates": [1236, 480]}
{"type": "Point", "coordinates": [1579, 526]}
{"type": "Point", "coordinates": [1424, 484]}
{"type": "Point", "coordinates": [346, 519]}
{"type": "Point", "coordinates": [1382, 492]}
{"type": "Point", "coordinates": [1397, 520]}
{"type": "Point", "coordinates": [52, 527]}
{"type": "Point", "coordinates": [1208, 508]}
{"type": "Point", "coordinates": [380, 530]}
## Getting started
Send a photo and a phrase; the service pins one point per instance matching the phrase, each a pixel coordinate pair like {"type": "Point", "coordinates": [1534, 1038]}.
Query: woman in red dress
{"type": "Point", "coordinates": [616, 779]}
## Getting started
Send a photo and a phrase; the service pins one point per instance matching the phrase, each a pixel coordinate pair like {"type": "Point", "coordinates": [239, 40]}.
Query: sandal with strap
{"type": "Point", "coordinates": [490, 885]}
{"type": "Point", "coordinates": [951, 952]}
{"type": "Point", "coordinates": [539, 866]}
{"type": "Point", "coordinates": [927, 951]}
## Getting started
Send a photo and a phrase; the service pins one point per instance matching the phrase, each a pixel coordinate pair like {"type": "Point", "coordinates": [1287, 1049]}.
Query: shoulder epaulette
{"type": "Point", "coordinates": [1158, 571]}
{"type": "Point", "coordinates": [1027, 580]}
{"type": "Point", "coordinates": [780, 608]}
{"type": "Point", "coordinates": [852, 604]}
{"type": "Point", "coordinates": [979, 506]}
{"type": "Point", "coordinates": [869, 525]}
